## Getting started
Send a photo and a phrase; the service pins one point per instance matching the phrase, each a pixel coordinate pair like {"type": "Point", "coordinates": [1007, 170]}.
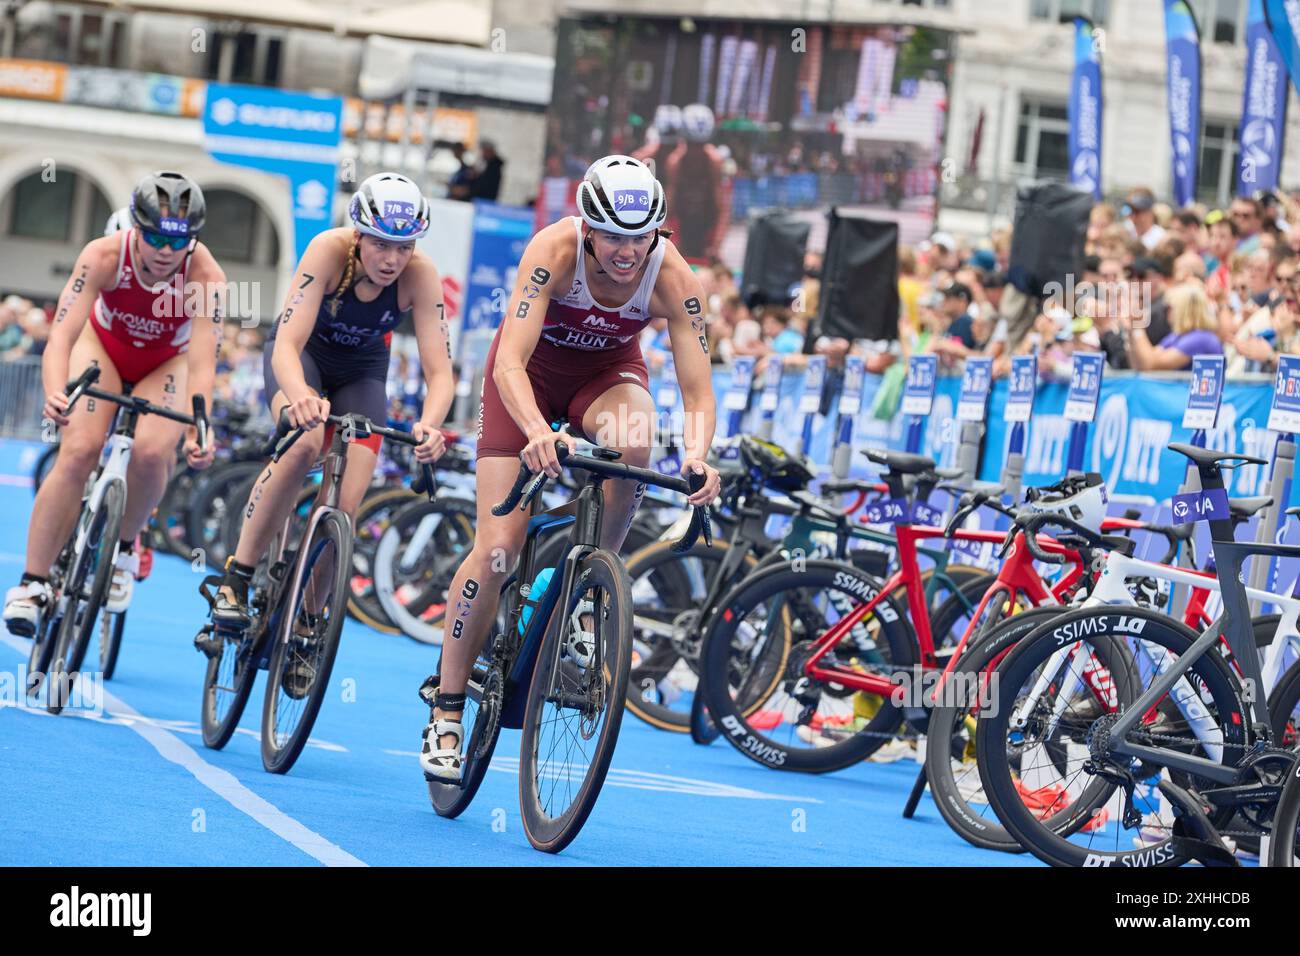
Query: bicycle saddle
{"type": "Point", "coordinates": [1248, 507]}
{"type": "Point", "coordinates": [1208, 456]}
{"type": "Point", "coordinates": [900, 462]}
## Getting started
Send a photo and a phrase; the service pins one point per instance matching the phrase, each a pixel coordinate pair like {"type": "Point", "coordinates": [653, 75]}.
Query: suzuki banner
{"type": "Point", "coordinates": [292, 134]}
{"type": "Point", "coordinates": [1183, 46]}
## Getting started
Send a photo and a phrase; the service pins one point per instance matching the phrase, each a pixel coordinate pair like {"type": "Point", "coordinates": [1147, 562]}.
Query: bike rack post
{"type": "Point", "coordinates": [972, 408]}
{"type": "Point", "coordinates": [736, 400]}
{"type": "Point", "coordinates": [1284, 418]}
{"type": "Point", "coordinates": [918, 398]}
{"type": "Point", "coordinates": [1021, 390]}
{"type": "Point", "coordinates": [771, 396]}
{"type": "Point", "coordinates": [810, 400]}
{"type": "Point", "coordinates": [849, 405]}
{"type": "Point", "coordinates": [1081, 404]}
{"type": "Point", "coordinates": [666, 403]}
{"type": "Point", "coordinates": [1204, 394]}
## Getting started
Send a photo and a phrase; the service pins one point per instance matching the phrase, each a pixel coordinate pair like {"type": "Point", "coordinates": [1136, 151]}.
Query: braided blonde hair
{"type": "Point", "coordinates": [349, 272]}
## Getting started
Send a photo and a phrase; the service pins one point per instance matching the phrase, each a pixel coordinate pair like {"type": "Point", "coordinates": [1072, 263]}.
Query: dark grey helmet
{"type": "Point", "coordinates": [186, 210]}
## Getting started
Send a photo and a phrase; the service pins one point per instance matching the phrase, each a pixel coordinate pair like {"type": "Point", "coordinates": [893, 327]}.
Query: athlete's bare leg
{"type": "Point", "coordinates": [472, 597]}
{"type": "Point", "coordinates": [53, 513]}
{"type": "Point", "coordinates": [621, 418]}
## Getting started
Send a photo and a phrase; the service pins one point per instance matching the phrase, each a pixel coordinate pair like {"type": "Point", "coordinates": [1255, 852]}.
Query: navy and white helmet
{"type": "Point", "coordinates": [697, 121]}
{"type": "Point", "coordinates": [121, 219]}
{"type": "Point", "coordinates": [620, 194]}
{"type": "Point", "coordinates": [389, 206]}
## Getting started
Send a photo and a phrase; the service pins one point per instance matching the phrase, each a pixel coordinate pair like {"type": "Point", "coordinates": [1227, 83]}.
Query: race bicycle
{"type": "Point", "coordinates": [526, 678]}
{"type": "Point", "coordinates": [297, 602]}
{"type": "Point", "coordinates": [83, 571]}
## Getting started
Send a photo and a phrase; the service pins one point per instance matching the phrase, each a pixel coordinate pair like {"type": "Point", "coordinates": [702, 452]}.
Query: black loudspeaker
{"type": "Point", "coordinates": [859, 293]}
{"type": "Point", "coordinates": [1051, 227]}
{"type": "Point", "coordinates": [774, 251]}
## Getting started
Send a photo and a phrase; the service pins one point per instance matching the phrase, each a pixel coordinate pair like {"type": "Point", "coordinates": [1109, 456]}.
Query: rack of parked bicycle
{"type": "Point", "coordinates": [1059, 693]}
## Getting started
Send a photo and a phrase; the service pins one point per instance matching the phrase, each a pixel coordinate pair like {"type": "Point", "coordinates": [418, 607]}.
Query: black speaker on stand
{"type": "Point", "coordinates": [1051, 227]}
{"type": "Point", "coordinates": [859, 292]}
{"type": "Point", "coordinates": [774, 251]}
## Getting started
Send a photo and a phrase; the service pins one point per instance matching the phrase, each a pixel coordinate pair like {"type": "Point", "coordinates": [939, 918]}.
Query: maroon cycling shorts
{"type": "Point", "coordinates": [565, 383]}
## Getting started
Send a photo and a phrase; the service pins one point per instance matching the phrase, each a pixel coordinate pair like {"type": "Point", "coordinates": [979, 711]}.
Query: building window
{"type": "Point", "coordinates": [69, 34]}
{"type": "Point", "coordinates": [43, 210]}
{"type": "Point", "coordinates": [1220, 21]}
{"type": "Point", "coordinates": [1217, 177]}
{"type": "Point", "coordinates": [246, 57]}
{"type": "Point", "coordinates": [237, 230]}
{"type": "Point", "coordinates": [67, 208]}
{"type": "Point", "coordinates": [1053, 10]}
{"type": "Point", "coordinates": [1043, 140]}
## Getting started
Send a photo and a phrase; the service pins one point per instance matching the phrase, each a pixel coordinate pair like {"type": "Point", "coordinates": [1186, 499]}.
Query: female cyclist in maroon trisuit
{"type": "Point", "coordinates": [567, 351]}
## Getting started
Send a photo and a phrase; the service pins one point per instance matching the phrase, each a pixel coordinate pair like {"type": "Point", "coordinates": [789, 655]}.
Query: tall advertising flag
{"type": "Point", "coordinates": [1183, 45]}
{"type": "Point", "coordinates": [1263, 108]}
{"type": "Point", "coordinates": [1085, 110]}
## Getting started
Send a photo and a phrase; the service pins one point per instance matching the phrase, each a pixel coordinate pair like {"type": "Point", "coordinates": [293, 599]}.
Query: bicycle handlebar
{"type": "Point", "coordinates": [528, 485]}
{"type": "Point", "coordinates": [1030, 526]}
{"type": "Point", "coordinates": [83, 384]}
{"type": "Point", "coordinates": [425, 483]}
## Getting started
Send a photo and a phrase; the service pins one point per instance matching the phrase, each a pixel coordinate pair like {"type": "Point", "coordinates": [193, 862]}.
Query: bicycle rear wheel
{"type": "Point", "coordinates": [86, 589]}
{"type": "Point", "coordinates": [756, 657]}
{"type": "Point", "coordinates": [482, 713]}
{"type": "Point", "coordinates": [307, 642]}
{"type": "Point", "coordinates": [1047, 733]}
{"type": "Point", "coordinates": [573, 713]}
{"type": "Point", "coordinates": [1284, 844]}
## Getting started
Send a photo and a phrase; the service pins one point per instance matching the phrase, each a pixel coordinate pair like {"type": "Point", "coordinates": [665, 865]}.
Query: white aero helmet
{"type": "Point", "coordinates": [619, 194]}
{"type": "Point", "coordinates": [121, 219]}
{"type": "Point", "coordinates": [697, 121]}
{"type": "Point", "coordinates": [668, 119]}
{"type": "Point", "coordinates": [1081, 498]}
{"type": "Point", "coordinates": [390, 206]}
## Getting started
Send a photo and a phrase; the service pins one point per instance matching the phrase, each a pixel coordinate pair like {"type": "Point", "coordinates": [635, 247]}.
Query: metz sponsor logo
{"type": "Point", "coordinates": [774, 756]}
{"type": "Point", "coordinates": [1154, 856]}
{"type": "Point", "coordinates": [598, 322]}
{"type": "Point", "coordinates": [1101, 624]}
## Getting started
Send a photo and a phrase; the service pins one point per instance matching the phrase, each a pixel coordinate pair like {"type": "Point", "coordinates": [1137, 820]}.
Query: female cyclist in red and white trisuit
{"type": "Point", "coordinates": [568, 351]}
{"type": "Point", "coordinates": [152, 294]}
{"type": "Point", "coordinates": [328, 354]}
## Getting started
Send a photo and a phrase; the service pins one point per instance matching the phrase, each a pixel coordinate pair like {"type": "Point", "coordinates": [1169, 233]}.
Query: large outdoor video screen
{"type": "Point", "coordinates": [740, 116]}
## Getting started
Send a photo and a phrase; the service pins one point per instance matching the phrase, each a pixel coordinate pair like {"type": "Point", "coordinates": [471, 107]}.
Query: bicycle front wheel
{"type": "Point", "coordinates": [86, 589]}
{"type": "Point", "coordinates": [307, 642]}
{"type": "Point", "coordinates": [573, 712]}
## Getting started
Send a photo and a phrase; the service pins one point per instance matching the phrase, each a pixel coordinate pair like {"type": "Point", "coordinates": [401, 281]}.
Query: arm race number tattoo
{"type": "Point", "coordinates": [540, 276]}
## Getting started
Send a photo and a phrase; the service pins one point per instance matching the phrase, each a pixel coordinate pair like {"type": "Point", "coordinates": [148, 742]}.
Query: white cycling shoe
{"type": "Point", "coordinates": [442, 763]}
{"type": "Point", "coordinates": [580, 647]}
{"type": "Point", "coordinates": [25, 607]}
{"type": "Point", "coordinates": [119, 591]}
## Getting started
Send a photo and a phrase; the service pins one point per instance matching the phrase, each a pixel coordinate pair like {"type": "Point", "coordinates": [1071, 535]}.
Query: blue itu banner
{"type": "Point", "coordinates": [1085, 110]}
{"type": "Point", "coordinates": [293, 134]}
{"type": "Point", "coordinates": [500, 235]}
{"type": "Point", "coordinates": [1263, 107]}
{"type": "Point", "coordinates": [1183, 45]}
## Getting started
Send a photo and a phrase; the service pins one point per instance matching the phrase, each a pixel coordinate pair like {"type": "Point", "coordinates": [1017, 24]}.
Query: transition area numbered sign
{"type": "Point", "coordinates": [1085, 386]}
{"type": "Point", "coordinates": [1205, 392]}
{"type": "Point", "coordinates": [1021, 389]}
{"type": "Point", "coordinates": [1284, 416]}
{"type": "Point", "coordinates": [918, 393]}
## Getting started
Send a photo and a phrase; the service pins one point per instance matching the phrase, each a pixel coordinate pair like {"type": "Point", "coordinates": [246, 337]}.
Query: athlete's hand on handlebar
{"type": "Point", "coordinates": [539, 454]}
{"type": "Point", "coordinates": [432, 445]}
{"type": "Point", "coordinates": [306, 413]}
{"type": "Point", "coordinates": [708, 493]}
{"type": "Point", "coordinates": [196, 457]}
{"type": "Point", "coordinates": [56, 407]}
